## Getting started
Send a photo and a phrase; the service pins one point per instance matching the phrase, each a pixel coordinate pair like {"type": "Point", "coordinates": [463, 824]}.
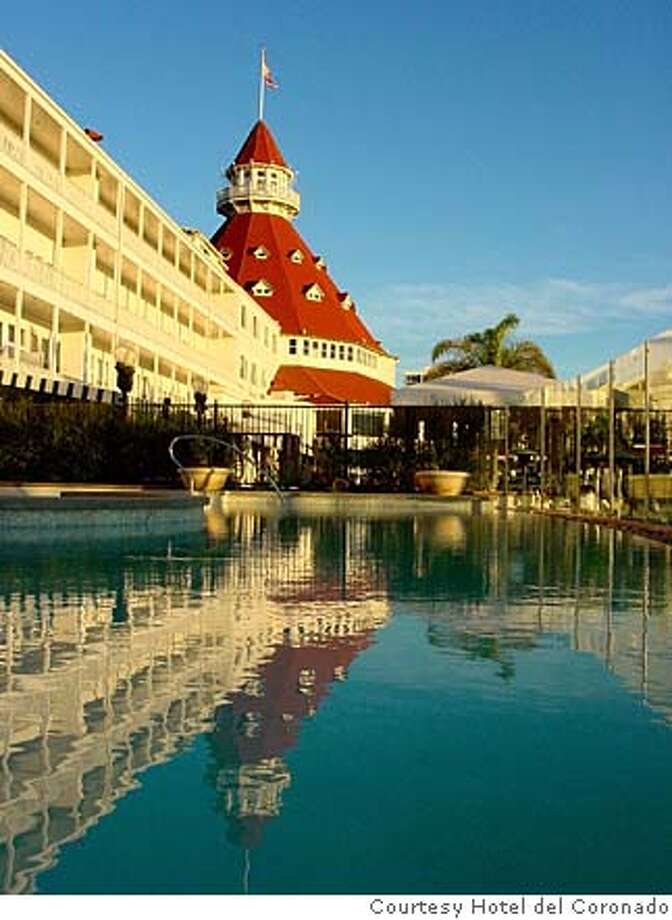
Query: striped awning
{"type": "Point", "coordinates": [38, 380]}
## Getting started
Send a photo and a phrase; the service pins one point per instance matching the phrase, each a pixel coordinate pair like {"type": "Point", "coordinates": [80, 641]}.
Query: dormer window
{"type": "Point", "coordinates": [320, 264]}
{"type": "Point", "coordinates": [346, 301]}
{"type": "Point", "coordinates": [314, 292]}
{"type": "Point", "coordinates": [226, 254]}
{"type": "Point", "coordinates": [296, 256]}
{"type": "Point", "coordinates": [261, 253]}
{"type": "Point", "coordinates": [261, 288]}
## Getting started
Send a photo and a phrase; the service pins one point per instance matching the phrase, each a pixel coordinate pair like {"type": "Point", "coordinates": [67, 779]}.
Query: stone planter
{"type": "Point", "coordinates": [441, 482]}
{"type": "Point", "coordinates": [205, 478]}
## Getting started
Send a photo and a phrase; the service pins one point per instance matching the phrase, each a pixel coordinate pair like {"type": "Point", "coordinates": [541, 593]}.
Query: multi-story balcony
{"type": "Point", "coordinates": [81, 300]}
{"type": "Point", "coordinates": [90, 264]}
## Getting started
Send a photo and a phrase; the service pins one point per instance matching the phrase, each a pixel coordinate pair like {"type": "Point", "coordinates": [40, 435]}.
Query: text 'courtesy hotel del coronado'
{"type": "Point", "coordinates": [93, 273]}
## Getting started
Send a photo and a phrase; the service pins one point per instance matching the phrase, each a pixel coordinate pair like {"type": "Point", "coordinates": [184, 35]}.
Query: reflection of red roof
{"type": "Point", "coordinates": [280, 710]}
{"type": "Point", "coordinates": [326, 386]}
{"type": "Point", "coordinates": [260, 147]}
{"type": "Point", "coordinates": [325, 319]}
{"type": "Point", "coordinates": [282, 706]}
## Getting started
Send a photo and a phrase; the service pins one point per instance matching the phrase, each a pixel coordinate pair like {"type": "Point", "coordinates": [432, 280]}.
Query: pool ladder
{"type": "Point", "coordinates": [244, 455]}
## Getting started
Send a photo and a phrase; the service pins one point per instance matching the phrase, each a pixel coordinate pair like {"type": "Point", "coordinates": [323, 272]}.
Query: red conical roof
{"type": "Point", "coordinates": [297, 315]}
{"type": "Point", "coordinates": [260, 147]}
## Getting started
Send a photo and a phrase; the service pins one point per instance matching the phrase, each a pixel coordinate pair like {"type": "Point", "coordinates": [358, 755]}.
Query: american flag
{"type": "Point", "coordinates": [269, 80]}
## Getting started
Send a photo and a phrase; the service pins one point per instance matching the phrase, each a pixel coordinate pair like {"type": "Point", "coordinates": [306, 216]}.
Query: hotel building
{"type": "Point", "coordinates": [327, 353]}
{"type": "Point", "coordinates": [93, 272]}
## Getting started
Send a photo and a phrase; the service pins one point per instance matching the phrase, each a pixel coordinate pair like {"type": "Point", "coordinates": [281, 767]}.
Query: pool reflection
{"type": "Point", "coordinates": [114, 656]}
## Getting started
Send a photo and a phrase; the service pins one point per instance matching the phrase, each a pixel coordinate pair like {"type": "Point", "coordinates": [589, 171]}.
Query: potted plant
{"type": "Point", "coordinates": [436, 474]}
{"type": "Point", "coordinates": [202, 474]}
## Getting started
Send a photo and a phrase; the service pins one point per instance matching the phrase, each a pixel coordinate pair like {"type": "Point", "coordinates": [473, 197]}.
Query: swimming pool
{"type": "Point", "coordinates": [336, 703]}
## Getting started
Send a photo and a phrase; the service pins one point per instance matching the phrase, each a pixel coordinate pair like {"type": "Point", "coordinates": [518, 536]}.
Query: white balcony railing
{"type": "Point", "coordinates": [166, 272]}
{"type": "Point", "coordinates": [37, 270]}
{"type": "Point", "coordinates": [237, 193]}
{"type": "Point", "coordinates": [49, 175]}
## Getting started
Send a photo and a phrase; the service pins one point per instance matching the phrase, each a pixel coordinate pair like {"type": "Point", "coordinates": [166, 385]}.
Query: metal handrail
{"type": "Point", "coordinates": [214, 440]}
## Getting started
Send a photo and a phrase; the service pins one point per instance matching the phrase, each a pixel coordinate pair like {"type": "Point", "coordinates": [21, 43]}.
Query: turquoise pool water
{"type": "Point", "coordinates": [424, 703]}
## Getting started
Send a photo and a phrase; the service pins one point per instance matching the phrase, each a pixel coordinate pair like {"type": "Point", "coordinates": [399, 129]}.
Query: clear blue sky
{"type": "Point", "coordinates": [457, 159]}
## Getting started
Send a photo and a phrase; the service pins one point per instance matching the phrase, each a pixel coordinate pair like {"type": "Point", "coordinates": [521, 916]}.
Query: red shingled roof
{"type": "Point", "coordinates": [322, 386]}
{"type": "Point", "coordinates": [325, 319]}
{"type": "Point", "coordinates": [260, 147]}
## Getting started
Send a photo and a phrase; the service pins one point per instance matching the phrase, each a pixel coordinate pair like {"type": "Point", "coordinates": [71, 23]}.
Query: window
{"type": "Point", "coordinates": [275, 343]}
{"type": "Point", "coordinates": [316, 346]}
{"type": "Point", "coordinates": [313, 292]}
{"type": "Point", "coordinates": [243, 315]}
{"type": "Point", "coordinates": [253, 374]}
{"type": "Point", "coordinates": [262, 288]}
{"type": "Point", "coordinates": [296, 256]}
{"type": "Point", "coordinates": [292, 346]}
{"type": "Point", "coordinates": [243, 367]}
{"type": "Point", "coordinates": [255, 327]}
{"type": "Point", "coordinates": [369, 423]}
{"type": "Point", "coordinates": [324, 349]}
{"type": "Point", "coordinates": [341, 352]}
{"type": "Point", "coordinates": [260, 253]}
{"type": "Point", "coordinates": [349, 352]}
{"type": "Point", "coordinates": [332, 351]}
{"type": "Point", "coordinates": [306, 347]}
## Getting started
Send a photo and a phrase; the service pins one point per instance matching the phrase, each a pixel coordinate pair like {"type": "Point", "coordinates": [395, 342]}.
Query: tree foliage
{"type": "Point", "coordinates": [492, 346]}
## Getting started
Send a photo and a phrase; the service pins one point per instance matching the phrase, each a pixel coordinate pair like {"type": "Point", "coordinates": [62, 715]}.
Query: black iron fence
{"type": "Point", "coordinates": [601, 458]}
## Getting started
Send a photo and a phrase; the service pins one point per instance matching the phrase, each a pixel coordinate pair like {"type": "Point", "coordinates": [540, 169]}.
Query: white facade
{"type": "Point", "coordinates": [92, 272]}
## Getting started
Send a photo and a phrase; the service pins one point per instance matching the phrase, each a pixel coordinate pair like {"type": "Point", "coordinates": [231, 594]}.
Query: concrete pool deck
{"type": "Point", "coordinates": [661, 533]}
{"type": "Point", "coordinates": [32, 510]}
{"type": "Point", "coordinates": [51, 509]}
{"type": "Point", "coordinates": [56, 507]}
{"type": "Point", "coordinates": [39, 495]}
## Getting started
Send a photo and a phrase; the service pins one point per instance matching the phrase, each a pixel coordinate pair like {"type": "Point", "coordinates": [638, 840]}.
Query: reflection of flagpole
{"type": "Point", "coordinates": [246, 872]}
{"type": "Point", "coordinates": [577, 587]}
{"type": "Point", "coordinates": [646, 611]}
{"type": "Point", "coordinates": [610, 598]}
{"type": "Point", "coordinates": [540, 570]}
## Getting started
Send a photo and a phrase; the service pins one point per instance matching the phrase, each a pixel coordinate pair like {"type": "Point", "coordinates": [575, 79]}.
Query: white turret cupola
{"type": "Point", "coordinates": [260, 179]}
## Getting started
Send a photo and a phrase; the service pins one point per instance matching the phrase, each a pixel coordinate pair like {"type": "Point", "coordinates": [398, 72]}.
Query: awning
{"type": "Point", "coordinates": [38, 380]}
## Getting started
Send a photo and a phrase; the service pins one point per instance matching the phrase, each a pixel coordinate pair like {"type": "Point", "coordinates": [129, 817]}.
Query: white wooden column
{"type": "Point", "coordinates": [18, 320]}
{"type": "Point", "coordinates": [53, 344]}
{"type": "Point", "coordinates": [63, 152]}
{"type": "Point", "coordinates": [86, 353]}
{"type": "Point", "coordinates": [58, 245]}
{"type": "Point", "coordinates": [27, 115]}
{"type": "Point", "coordinates": [23, 214]}
{"type": "Point", "coordinates": [90, 267]}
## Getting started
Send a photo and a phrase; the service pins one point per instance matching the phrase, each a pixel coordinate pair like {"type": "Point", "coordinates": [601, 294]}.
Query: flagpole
{"type": "Point", "coordinates": [261, 84]}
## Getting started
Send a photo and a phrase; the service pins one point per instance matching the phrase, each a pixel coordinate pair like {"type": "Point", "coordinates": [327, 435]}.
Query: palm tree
{"type": "Point", "coordinates": [489, 347]}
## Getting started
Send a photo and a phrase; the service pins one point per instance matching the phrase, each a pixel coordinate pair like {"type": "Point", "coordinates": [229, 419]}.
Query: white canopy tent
{"type": "Point", "coordinates": [487, 386]}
